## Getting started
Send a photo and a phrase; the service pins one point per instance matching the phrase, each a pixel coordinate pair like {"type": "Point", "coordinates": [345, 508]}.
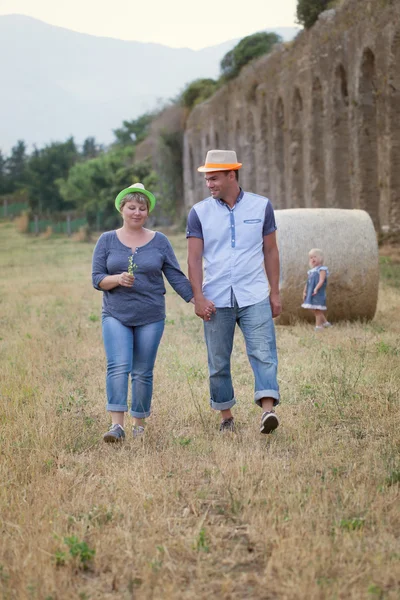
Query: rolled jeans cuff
{"type": "Point", "coordinates": [139, 415]}
{"type": "Point", "coordinates": [222, 405]}
{"type": "Point", "coordinates": [117, 407]}
{"type": "Point", "coordinates": [266, 394]}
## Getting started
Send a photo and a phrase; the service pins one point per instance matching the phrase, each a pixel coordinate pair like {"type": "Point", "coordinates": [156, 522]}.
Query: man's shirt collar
{"type": "Point", "coordinates": [238, 199]}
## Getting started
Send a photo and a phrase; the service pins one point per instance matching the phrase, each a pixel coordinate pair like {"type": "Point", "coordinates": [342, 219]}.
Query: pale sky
{"type": "Point", "coordinates": [176, 23]}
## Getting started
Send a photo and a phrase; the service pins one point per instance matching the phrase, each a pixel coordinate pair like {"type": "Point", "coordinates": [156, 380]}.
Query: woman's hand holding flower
{"type": "Point", "coordinates": [126, 280]}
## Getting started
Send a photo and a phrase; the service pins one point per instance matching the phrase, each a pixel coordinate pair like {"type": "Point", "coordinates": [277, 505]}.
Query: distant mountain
{"type": "Point", "coordinates": [56, 82]}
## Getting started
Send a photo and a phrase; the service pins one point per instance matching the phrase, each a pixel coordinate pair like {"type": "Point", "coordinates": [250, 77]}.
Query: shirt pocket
{"type": "Point", "coordinates": [249, 233]}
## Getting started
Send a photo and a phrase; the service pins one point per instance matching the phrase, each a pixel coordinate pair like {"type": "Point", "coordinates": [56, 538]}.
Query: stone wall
{"type": "Point", "coordinates": [317, 122]}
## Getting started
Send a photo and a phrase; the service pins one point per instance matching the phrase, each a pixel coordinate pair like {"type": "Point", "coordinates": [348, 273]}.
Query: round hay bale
{"type": "Point", "coordinates": [348, 241]}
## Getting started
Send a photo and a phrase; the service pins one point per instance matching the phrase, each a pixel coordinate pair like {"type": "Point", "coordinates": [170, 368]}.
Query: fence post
{"type": "Point", "coordinates": [5, 208]}
{"type": "Point", "coordinates": [69, 225]}
{"type": "Point", "coordinates": [36, 220]}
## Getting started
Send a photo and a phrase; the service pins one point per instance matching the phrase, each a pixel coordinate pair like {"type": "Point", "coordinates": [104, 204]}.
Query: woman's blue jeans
{"type": "Point", "coordinates": [130, 350]}
{"type": "Point", "coordinates": [258, 330]}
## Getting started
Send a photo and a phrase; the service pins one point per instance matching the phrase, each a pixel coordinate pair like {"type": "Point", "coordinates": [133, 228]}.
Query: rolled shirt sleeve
{"type": "Point", "coordinates": [269, 220]}
{"type": "Point", "coordinates": [194, 227]}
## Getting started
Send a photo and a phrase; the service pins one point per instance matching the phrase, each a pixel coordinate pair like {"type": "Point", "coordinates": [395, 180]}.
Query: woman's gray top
{"type": "Point", "coordinates": [144, 302]}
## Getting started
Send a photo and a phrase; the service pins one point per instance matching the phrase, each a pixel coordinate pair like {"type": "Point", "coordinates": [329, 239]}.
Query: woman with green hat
{"type": "Point", "coordinates": [128, 267]}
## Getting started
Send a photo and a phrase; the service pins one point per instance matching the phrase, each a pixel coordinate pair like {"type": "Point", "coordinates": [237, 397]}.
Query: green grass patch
{"type": "Point", "coordinates": [389, 271]}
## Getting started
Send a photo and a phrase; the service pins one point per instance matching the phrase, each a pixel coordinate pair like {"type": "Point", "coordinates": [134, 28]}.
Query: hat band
{"type": "Point", "coordinates": [221, 166]}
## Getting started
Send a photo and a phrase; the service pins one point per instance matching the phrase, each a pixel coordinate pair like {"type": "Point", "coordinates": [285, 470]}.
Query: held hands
{"type": "Point", "coordinates": [204, 308]}
{"type": "Point", "coordinates": [125, 280]}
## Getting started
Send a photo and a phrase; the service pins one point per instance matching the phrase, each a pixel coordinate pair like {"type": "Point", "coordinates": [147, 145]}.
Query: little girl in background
{"type": "Point", "coordinates": [314, 294]}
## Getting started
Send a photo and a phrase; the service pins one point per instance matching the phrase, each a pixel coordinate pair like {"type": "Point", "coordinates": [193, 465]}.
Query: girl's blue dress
{"type": "Point", "coordinates": [317, 302]}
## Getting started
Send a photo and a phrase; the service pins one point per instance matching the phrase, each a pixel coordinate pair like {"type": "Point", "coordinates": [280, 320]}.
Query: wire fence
{"type": "Point", "coordinates": [65, 224]}
{"type": "Point", "coordinates": [9, 210]}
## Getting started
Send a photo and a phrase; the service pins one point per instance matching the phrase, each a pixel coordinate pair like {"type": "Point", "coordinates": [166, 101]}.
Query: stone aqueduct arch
{"type": "Point", "coordinates": [341, 140]}
{"type": "Point", "coordinates": [262, 164]}
{"type": "Point", "coordinates": [318, 143]}
{"type": "Point", "coordinates": [279, 154]}
{"type": "Point", "coordinates": [191, 168]}
{"type": "Point", "coordinates": [297, 152]}
{"type": "Point", "coordinates": [394, 134]}
{"type": "Point", "coordinates": [367, 134]}
{"type": "Point", "coordinates": [317, 163]}
{"type": "Point", "coordinates": [249, 179]}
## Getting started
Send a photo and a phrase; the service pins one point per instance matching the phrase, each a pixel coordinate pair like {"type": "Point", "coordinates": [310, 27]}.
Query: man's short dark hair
{"type": "Point", "coordinates": [236, 171]}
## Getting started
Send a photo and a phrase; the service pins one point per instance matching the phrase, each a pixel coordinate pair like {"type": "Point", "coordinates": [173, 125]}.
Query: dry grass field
{"type": "Point", "coordinates": [309, 512]}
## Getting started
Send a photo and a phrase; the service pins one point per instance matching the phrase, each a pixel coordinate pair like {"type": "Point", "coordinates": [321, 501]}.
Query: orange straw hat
{"type": "Point", "coordinates": [220, 160]}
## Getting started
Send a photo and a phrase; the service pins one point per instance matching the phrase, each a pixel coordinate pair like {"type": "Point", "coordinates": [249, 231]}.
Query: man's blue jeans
{"type": "Point", "coordinates": [259, 333]}
{"type": "Point", "coordinates": [130, 350]}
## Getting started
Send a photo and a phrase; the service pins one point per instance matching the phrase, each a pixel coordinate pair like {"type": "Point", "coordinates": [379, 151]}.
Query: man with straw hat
{"type": "Point", "coordinates": [233, 233]}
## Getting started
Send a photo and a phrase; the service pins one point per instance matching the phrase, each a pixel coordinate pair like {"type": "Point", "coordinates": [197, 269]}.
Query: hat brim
{"type": "Point", "coordinates": [133, 190]}
{"type": "Point", "coordinates": [209, 168]}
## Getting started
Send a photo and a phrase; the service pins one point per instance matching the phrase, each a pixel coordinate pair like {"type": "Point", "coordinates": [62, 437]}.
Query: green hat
{"type": "Point", "coordinates": [136, 187]}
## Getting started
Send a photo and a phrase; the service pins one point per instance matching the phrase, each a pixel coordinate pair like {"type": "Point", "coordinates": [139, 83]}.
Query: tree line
{"type": "Point", "coordinates": [63, 176]}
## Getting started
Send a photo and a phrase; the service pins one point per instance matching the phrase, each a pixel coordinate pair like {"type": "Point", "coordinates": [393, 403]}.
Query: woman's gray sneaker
{"type": "Point", "coordinates": [227, 425]}
{"type": "Point", "coordinates": [138, 431]}
{"type": "Point", "coordinates": [116, 433]}
{"type": "Point", "coordinates": [269, 422]}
